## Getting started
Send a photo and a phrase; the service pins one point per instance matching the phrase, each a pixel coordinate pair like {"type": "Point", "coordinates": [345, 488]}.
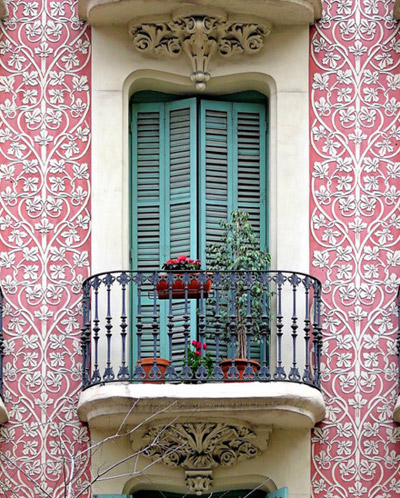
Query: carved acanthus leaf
{"type": "Point", "coordinates": [200, 37]}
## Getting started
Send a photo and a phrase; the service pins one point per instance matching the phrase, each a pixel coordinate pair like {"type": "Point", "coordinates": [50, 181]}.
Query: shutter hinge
{"type": "Point", "coordinates": [131, 255]}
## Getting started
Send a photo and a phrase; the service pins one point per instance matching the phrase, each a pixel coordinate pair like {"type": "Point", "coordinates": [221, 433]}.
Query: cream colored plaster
{"type": "Point", "coordinates": [121, 12]}
{"type": "Point", "coordinates": [285, 462]}
{"type": "Point", "coordinates": [3, 413]}
{"type": "Point", "coordinates": [280, 404]}
{"type": "Point", "coordinates": [280, 71]}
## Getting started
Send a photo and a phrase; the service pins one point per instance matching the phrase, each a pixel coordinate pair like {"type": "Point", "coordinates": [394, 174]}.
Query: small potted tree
{"type": "Point", "coordinates": [239, 249]}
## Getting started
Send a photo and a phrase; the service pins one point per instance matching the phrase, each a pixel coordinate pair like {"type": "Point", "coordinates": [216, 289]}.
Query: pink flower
{"type": "Point", "coordinates": [194, 343]}
{"type": "Point", "coordinates": [197, 353]}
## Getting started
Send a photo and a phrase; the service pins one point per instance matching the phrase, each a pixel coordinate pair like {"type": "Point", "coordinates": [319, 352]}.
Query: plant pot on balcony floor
{"type": "Point", "coordinates": [241, 364]}
{"type": "Point", "coordinates": [147, 365]}
{"type": "Point", "coordinates": [178, 287]}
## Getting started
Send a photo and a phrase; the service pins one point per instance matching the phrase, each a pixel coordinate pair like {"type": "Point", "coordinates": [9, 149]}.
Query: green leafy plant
{"type": "Point", "coordinates": [239, 249]}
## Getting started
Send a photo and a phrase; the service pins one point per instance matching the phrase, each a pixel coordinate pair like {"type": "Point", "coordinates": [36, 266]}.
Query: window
{"type": "Point", "coordinates": [194, 161]}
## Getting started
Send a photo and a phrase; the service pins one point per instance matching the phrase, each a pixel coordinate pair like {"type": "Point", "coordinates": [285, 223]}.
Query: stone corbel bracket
{"type": "Point", "coordinates": [200, 37]}
{"type": "Point", "coordinates": [199, 447]}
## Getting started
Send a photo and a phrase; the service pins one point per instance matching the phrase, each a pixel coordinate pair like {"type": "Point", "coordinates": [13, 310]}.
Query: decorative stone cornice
{"type": "Point", "coordinates": [200, 37]}
{"type": "Point", "coordinates": [199, 447]}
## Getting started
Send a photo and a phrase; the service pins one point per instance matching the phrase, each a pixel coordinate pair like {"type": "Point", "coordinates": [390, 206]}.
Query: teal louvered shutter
{"type": "Point", "coordinates": [181, 203]}
{"type": "Point", "coordinates": [112, 496]}
{"type": "Point", "coordinates": [249, 136]}
{"type": "Point", "coordinates": [279, 493]}
{"type": "Point", "coordinates": [163, 201]}
{"type": "Point", "coordinates": [233, 171]}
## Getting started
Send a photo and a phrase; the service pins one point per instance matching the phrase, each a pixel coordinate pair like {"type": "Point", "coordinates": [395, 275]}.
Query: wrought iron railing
{"type": "Point", "coordinates": [1, 343]}
{"type": "Point", "coordinates": [131, 318]}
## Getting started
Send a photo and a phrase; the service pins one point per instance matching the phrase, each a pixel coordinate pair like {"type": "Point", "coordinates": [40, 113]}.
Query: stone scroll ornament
{"type": "Point", "coordinates": [200, 38]}
{"type": "Point", "coordinates": [200, 447]}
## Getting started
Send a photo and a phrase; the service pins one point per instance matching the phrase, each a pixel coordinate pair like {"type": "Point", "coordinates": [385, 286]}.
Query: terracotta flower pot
{"type": "Point", "coordinates": [240, 364]}
{"type": "Point", "coordinates": [178, 287]}
{"type": "Point", "coordinates": [147, 365]}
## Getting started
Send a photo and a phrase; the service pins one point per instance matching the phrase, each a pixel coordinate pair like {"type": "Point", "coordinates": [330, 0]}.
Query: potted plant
{"type": "Point", "coordinates": [239, 249]}
{"type": "Point", "coordinates": [176, 281]}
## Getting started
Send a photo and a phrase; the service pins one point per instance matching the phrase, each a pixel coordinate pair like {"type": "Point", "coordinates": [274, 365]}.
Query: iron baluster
{"type": "Point", "coordinates": [233, 373]}
{"type": "Point", "coordinates": [264, 372]}
{"type": "Point", "coordinates": [109, 372]}
{"type": "Point", "coordinates": [294, 373]}
{"type": "Point", "coordinates": [202, 372]}
{"type": "Point", "coordinates": [217, 373]}
{"type": "Point", "coordinates": [279, 373]}
{"type": "Point", "coordinates": [307, 374]}
{"type": "Point", "coordinates": [139, 373]}
{"type": "Point", "coordinates": [187, 373]}
{"type": "Point", "coordinates": [315, 336]}
{"type": "Point", "coordinates": [123, 373]}
{"type": "Point", "coordinates": [85, 334]}
{"type": "Point", "coordinates": [248, 373]}
{"type": "Point", "coordinates": [170, 371]}
{"type": "Point", "coordinates": [96, 376]}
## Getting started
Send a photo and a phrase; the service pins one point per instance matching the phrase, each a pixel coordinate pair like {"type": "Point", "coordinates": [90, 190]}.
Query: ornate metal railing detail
{"type": "Point", "coordinates": [130, 316]}
{"type": "Point", "coordinates": [1, 343]}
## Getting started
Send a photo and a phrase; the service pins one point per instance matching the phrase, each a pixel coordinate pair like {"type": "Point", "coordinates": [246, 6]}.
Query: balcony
{"type": "Point", "coordinates": [134, 319]}
{"type": "Point", "coordinates": [3, 411]}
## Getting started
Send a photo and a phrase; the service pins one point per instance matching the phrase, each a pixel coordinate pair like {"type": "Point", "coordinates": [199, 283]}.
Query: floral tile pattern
{"type": "Point", "coordinates": [44, 244]}
{"type": "Point", "coordinates": [355, 227]}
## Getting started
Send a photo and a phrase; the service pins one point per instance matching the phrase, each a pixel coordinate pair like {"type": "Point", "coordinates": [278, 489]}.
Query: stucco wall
{"type": "Point", "coordinates": [355, 244]}
{"type": "Point", "coordinates": [44, 243]}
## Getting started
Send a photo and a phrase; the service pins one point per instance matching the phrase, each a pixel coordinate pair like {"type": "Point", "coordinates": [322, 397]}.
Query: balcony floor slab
{"type": "Point", "coordinates": [3, 413]}
{"type": "Point", "coordinates": [396, 412]}
{"type": "Point", "coordinates": [286, 405]}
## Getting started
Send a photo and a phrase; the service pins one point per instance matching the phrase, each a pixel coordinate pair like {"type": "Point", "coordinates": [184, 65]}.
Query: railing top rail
{"type": "Point", "coordinates": [203, 270]}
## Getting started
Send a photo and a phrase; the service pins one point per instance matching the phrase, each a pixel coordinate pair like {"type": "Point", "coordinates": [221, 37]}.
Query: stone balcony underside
{"type": "Point", "coordinates": [121, 12]}
{"type": "Point", "coordinates": [3, 413]}
{"type": "Point", "coordinates": [284, 405]}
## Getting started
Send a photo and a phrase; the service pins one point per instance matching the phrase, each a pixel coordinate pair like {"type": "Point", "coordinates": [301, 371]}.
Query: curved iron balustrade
{"type": "Point", "coordinates": [285, 301]}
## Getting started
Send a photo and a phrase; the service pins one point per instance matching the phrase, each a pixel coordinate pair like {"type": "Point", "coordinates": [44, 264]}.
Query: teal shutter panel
{"type": "Point", "coordinates": [112, 496]}
{"type": "Point", "coordinates": [181, 205]}
{"type": "Point", "coordinates": [232, 174]}
{"type": "Point", "coordinates": [164, 199]}
{"type": "Point", "coordinates": [249, 135]}
{"type": "Point", "coordinates": [279, 493]}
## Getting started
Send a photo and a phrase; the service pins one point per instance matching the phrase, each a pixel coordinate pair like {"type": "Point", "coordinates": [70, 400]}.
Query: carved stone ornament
{"type": "Point", "coordinates": [199, 447]}
{"type": "Point", "coordinates": [199, 37]}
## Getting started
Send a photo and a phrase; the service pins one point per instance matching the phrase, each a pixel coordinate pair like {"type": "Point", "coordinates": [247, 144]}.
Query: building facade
{"type": "Point", "coordinates": [128, 129]}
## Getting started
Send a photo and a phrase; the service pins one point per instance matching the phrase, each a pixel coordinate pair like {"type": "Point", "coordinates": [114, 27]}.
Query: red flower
{"type": "Point", "coordinates": [197, 353]}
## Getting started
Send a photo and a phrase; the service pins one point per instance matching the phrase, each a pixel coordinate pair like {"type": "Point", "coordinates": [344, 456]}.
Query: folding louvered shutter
{"type": "Point", "coordinates": [233, 169]}
{"type": "Point", "coordinates": [249, 136]}
{"type": "Point", "coordinates": [181, 202]}
{"type": "Point", "coordinates": [163, 201]}
{"type": "Point", "coordinates": [279, 493]}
